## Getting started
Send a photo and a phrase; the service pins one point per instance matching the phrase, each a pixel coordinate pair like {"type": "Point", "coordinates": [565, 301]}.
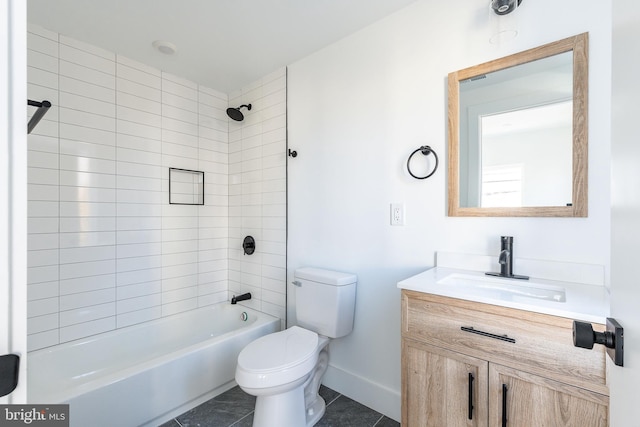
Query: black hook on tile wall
{"type": "Point", "coordinates": [43, 107]}
{"type": "Point", "coordinates": [293, 153]}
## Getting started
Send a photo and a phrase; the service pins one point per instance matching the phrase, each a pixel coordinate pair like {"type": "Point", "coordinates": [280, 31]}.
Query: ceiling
{"type": "Point", "coordinates": [221, 44]}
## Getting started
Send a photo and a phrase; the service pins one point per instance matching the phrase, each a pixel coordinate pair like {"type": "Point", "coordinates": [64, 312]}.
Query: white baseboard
{"type": "Point", "coordinates": [371, 394]}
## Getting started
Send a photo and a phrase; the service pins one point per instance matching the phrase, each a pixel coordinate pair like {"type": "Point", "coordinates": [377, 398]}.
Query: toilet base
{"type": "Point", "coordinates": [300, 406]}
{"type": "Point", "coordinates": [284, 409]}
{"type": "Point", "coordinates": [314, 402]}
{"type": "Point", "coordinates": [315, 411]}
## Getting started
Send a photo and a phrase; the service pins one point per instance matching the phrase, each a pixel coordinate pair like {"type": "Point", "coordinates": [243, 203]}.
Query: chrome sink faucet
{"type": "Point", "coordinates": [505, 259]}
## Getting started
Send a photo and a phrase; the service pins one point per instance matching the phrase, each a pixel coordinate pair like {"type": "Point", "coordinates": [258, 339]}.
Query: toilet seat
{"type": "Point", "coordinates": [278, 358]}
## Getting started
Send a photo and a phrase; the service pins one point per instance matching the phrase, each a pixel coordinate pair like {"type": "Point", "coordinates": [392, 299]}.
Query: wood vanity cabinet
{"type": "Point", "coordinates": [473, 364]}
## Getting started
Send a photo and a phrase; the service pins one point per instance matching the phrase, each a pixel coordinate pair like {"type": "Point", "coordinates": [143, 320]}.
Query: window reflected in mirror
{"type": "Point", "coordinates": [526, 157]}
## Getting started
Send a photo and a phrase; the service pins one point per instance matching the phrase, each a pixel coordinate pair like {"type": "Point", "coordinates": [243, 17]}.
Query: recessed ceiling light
{"type": "Point", "coordinates": [167, 48]}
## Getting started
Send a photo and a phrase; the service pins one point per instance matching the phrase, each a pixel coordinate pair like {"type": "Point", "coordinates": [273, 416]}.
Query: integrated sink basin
{"type": "Point", "coordinates": [585, 299]}
{"type": "Point", "coordinates": [503, 287]}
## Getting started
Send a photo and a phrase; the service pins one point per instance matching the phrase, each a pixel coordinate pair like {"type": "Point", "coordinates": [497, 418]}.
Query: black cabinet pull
{"type": "Point", "coordinates": [504, 405]}
{"type": "Point", "coordinates": [471, 395]}
{"type": "Point", "coordinates": [487, 334]}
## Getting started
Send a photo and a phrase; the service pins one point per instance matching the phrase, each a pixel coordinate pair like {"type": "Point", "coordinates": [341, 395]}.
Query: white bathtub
{"type": "Point", "coordinates": [148, 373]}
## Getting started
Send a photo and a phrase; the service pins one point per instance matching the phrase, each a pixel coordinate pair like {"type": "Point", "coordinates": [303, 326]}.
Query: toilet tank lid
{"type": "Point", "coordinates": [328, 277]}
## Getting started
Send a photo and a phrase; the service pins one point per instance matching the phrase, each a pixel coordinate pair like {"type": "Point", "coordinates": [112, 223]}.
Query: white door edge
{"type": "Point", "coordinates": [13, 188]}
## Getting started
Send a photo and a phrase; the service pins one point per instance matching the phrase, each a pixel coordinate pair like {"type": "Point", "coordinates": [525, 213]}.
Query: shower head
{"type": "Point", "coordinates": [236, 114]}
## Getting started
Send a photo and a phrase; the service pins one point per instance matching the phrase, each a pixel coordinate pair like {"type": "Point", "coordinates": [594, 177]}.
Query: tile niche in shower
{"type": "Point", "coordinates": [186, 187]}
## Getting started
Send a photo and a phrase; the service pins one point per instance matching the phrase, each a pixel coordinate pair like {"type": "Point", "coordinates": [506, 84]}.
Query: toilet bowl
{"type": "Point", "coordinates": [283, 370]}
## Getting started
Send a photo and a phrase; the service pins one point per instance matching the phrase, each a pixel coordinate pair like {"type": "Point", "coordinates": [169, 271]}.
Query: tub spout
{"type": "Point", "coordinates": [242, 297]}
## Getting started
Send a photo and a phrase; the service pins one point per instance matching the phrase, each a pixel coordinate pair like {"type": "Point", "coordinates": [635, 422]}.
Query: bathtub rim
{"type": "Point", "coordinates": [64, 395]}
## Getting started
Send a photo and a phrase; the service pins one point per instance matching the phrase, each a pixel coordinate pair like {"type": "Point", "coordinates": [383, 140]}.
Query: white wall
{"type": "Point", "coordinates": [358, 108]}
{"type": "Point", "coordinates": [106, 250]}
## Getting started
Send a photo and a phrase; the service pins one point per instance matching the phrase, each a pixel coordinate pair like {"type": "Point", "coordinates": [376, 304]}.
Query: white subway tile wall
{"type": "Point", "coordinates": [257, 194]}
{"type": "Point", "coordinates": [106, 250]}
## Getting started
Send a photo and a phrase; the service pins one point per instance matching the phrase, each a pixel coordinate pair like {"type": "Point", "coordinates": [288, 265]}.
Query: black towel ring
{"type": "Point", "coordinates": [425, 149]}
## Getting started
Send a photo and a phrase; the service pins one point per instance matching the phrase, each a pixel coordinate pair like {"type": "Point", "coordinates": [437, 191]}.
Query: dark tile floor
{"type": "Point", "coordinates": [235, 408]}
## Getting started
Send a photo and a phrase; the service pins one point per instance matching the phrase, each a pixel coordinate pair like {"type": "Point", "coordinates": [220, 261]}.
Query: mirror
{"type": "Point", "coordinates": [518, 134]}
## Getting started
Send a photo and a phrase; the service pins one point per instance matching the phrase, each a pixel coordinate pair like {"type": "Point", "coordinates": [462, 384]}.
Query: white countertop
{"type": "Point", "coordinates": [589, 303]}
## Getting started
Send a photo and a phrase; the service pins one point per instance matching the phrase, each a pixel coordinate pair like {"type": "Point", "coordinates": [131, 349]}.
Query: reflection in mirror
{"type": "Point", "coordinates": [517, 134]}
{"type": "Point", "coordinates": [526, 157]}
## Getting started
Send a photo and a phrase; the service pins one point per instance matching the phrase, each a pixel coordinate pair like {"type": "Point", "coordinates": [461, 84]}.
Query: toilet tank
{"type": "Point", "coordinates": [325, 301]}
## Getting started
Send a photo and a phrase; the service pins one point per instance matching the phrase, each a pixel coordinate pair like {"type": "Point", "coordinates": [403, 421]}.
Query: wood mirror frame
{"type": "Point", "coordinates": [579, 46]}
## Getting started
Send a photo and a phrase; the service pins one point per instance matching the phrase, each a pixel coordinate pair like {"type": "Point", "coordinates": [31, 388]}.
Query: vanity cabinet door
{"type": "Point", "coordinates": [525, 399]}
{"type": "Point", "coordinates": [442, 388]}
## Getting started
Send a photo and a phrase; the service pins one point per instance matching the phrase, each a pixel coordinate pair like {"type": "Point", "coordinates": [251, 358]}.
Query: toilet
{"type": "Point", "coordinates": [284, 369]}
